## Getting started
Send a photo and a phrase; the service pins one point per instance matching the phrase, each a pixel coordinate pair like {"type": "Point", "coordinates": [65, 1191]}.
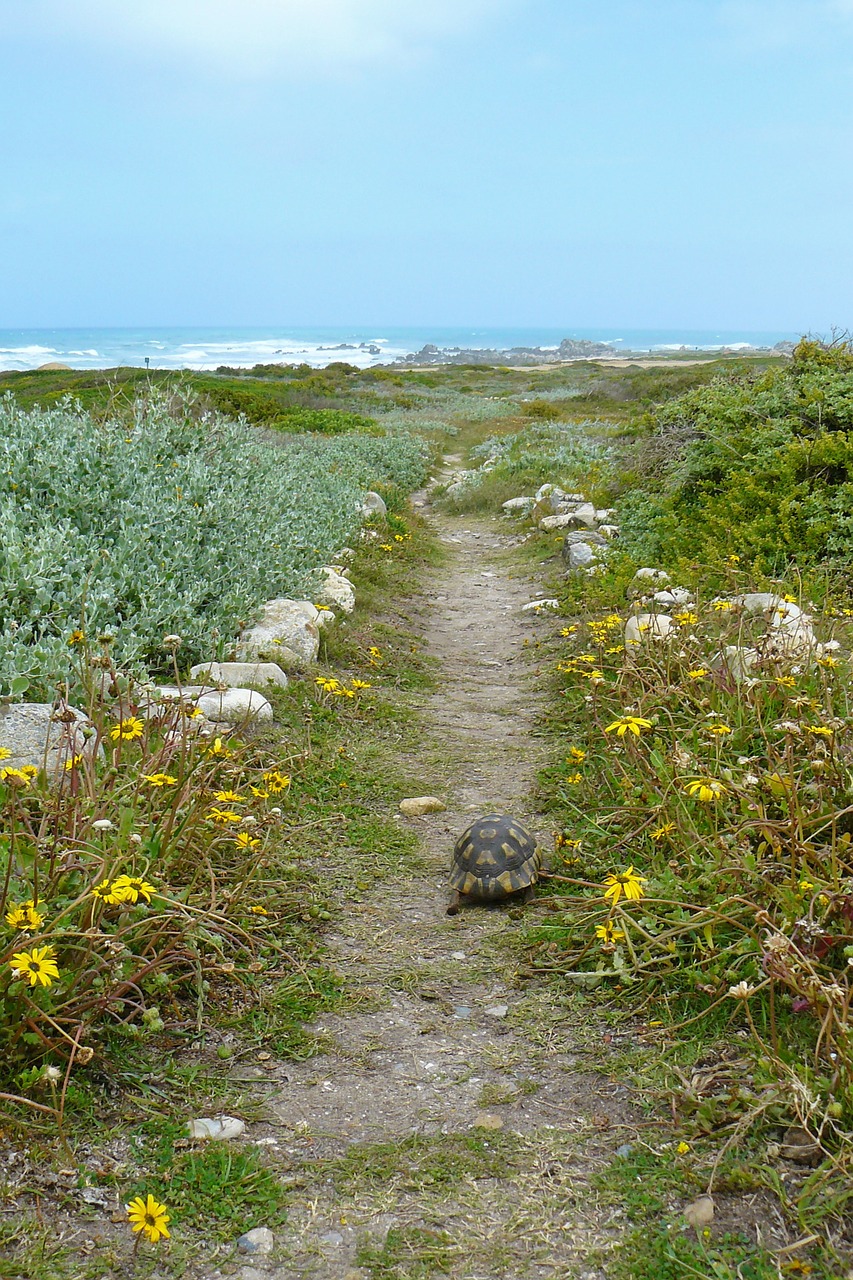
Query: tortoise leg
{"type": "Point", "coordinates": [453, 904]}
{"type": "Point", "coordinates": [529, 894]}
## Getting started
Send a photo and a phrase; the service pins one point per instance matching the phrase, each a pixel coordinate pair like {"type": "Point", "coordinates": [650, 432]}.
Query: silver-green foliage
{"type": "Point", "coordinates": [167, 521]}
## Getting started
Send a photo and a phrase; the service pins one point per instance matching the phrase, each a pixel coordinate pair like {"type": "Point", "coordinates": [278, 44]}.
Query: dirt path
{"type": "Point", "coordinates": [451, 1127]}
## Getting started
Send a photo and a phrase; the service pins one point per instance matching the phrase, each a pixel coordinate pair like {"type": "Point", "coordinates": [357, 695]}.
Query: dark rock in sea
{"type": "Point", "coordinates": [569, 349]}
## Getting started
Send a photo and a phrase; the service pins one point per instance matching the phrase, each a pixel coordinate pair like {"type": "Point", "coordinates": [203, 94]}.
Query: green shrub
{"type": "Point", "coordinates": [166, 520]}
{"type": "Point", "coordinates": [756, 464]}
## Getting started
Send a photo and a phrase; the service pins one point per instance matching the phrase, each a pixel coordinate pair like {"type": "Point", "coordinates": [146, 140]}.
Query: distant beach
{"type": "Point", "coordinates": [208, 348]}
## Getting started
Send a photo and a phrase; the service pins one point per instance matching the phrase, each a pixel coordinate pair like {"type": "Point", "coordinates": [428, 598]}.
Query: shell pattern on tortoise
{"type": "Point", "coordinates": [495, 856]}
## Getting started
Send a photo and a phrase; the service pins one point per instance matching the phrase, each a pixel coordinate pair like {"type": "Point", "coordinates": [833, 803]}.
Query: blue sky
{"type": "Point", "coordinates": [662, 163]}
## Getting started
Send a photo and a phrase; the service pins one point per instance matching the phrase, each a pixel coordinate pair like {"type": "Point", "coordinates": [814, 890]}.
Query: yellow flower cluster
{"type": "Point", "coordinates": [19, 777]}
{"type": "Point", "coordinates": [330, 685]}
{"type": "Point", "coordinates": [602, 629]}
{"type": "Point", "coordinates": [123, 889]}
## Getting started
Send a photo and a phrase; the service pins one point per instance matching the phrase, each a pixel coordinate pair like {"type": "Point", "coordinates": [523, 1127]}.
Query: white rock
{"type": "Point", "coordinates": [549, 523]}
{"type": "Point", "coordinates": [605, 515]}
{"type": "Point", "coordinates": [584, 513]}
{"type": "Point", "coordinates": [287, 633]}
{"type": "Point", "coordinates": [373, 505]}
{"type": "Point", "coordinates": [609, 531]}
{"type": "Point", "coordinates": [239, 674]}
{"type": "Point", "coordinates": [673, 596]}
{"type": "Point", "coordinates": [518, 506]}
{"type": "Point", "coordinates": [234, 706]}
{"type": "Point", "coordinates": [33, 735]}
{"type": "Point", "coordinates": [648, 626]}
{"type": "Point", "coordinates": [336, 591]}
{"type": "Point", "coordinates": [497, 1011]}
{"type": "Point", "coordinates": [651, 575]}
{"type": "Point", "coordinates": [591, 538]}
{"type": "Point", "coordinates": [737, 660]}
{"type": "Point", "coordinates": [220, 1129]}
{"type": "Point", "coordinates": [763, 602]}
{"type": "Point", "coordinates": [417, 806]}
{"type": "Point", "coordinates": [537, 606]}
{"type": "Point", "coordinates": [579, 555]}
{"type": "Point", "coordinates": [260, 1240]}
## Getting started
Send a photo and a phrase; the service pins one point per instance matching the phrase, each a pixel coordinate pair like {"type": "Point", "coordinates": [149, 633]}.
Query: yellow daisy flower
{"type": "Point", "coordinates": [38, 965]}
{"type": "Point", "coordinates": [627, 882]}
{"type": "Point", "coordinates": [708, 790]}
{"type": "Point", "coordinates": [25, 918]}
{"type": "Point", "coordinates": [149, 1217]}
{"type": "Point", "coordinates": [628, 724]}
{"type": "Point", "coordinates": [132, 888]}
{"type": "Point", "coordinates": [127, 730]}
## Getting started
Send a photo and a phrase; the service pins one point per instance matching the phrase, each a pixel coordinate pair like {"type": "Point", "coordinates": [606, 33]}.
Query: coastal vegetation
{"type": "Point", "coordinates": [165, 518]}
{"type": "Point", "coordinates": [699, 903]}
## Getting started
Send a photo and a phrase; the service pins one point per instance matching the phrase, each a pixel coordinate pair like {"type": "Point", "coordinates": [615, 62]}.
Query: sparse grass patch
{"type": "Point", "coordinates": [424, 1162]}
{"type": "Point", "coordinates": [409, 1253]}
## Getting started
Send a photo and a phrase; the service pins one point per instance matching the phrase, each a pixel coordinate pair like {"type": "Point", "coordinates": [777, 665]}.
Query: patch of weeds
{"type": "Point", "coordinates": [219, 1186]}
{"type": "Point", "coordinates": [420, 1161]}
{"type": "Point", "coordinates": [500, 1093]}
{"type": "Point", "coordinates": [212, 1188]}
{"type": "Point", "coordinates": [648, 1184]}
{"type": "Point", "coordinates": [664, 1255]}
{"type": "Point", "coordinates": [278, 1016]}
{"type": "Point", "coordinates": [408, 1253]}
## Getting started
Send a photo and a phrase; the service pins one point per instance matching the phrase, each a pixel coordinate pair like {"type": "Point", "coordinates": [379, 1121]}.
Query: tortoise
{"type": "Point", "coordinates": [496, 857]}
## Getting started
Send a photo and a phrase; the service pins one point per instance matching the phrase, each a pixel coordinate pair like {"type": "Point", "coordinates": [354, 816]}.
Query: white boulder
{"type": "Point", "coordinates": [737, 660]}
{"type": "Point", "coordinates": [673, 596]}
{"type": "Point", "coordinates": [287, 632]}
{"type": "Point", "coordinates": [518, 506]}
{"type": "Point", "coordinates": [579, 555]}
{"type": "Point", "coordinates": [234, 706]}
{"type": "Point", "coordinates": [336, 590]}
{"type": "Point", "coordinates": [236, 675]}
{"type": "Point", "coordinates": [651, 575]}
{"type": "Point", "coordinates": [34, 734]}
{"type": "Point", "coordinates": [537, 606]}
{"type": "Point", "coordinates": [373, 506]}
{"type": "Point", "coordinates": [644, 627]}
{"type": "Point", "coordinates": [549, 524]}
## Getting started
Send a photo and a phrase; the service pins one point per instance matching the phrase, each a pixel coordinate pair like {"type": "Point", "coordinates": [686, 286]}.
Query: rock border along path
{"type": "Point", "coordinates": [447, 1045]}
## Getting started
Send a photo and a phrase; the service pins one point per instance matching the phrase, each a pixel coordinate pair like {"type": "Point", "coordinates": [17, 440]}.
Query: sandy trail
{"type": "Point", "coordinates": [475, 1083]}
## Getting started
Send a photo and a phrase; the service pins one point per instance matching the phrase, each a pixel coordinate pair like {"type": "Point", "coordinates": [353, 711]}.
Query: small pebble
{"type": "Point", "coordinates": [417, 806]}
{"type": "Point", "coordinates": [461, 1011]}
{"type": "Point", "coordinates": [485, 1120]}
{"type": "Point", "coordinates": [624, 1151]}
{"type": "Point", "coordinates": [498, 1011]}
{"type": "Point", "coordinates": [700, 1213]}
{"type": "Point", "coordinates": [223, 1129]}
{"type": "Point", "coordinates": [457, 955]}
{"type": "Point", "coordinates": [259, 1240]}
{"type": "Point", "coordinates": [332, 1237]}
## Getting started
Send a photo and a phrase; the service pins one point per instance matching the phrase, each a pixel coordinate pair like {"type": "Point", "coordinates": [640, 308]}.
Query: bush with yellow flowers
{"type": "Point", "coordinates": [125, 881]}
{"type": "Point", "coordinates": [705, 851]}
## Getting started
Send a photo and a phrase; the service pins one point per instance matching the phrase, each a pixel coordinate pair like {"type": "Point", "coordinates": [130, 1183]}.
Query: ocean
{"type": "Point", "coordinates": [207, 348]}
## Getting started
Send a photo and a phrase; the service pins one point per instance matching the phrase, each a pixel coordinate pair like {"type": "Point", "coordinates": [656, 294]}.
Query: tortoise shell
{"type": "Point", "coordinates": [494, 857]}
